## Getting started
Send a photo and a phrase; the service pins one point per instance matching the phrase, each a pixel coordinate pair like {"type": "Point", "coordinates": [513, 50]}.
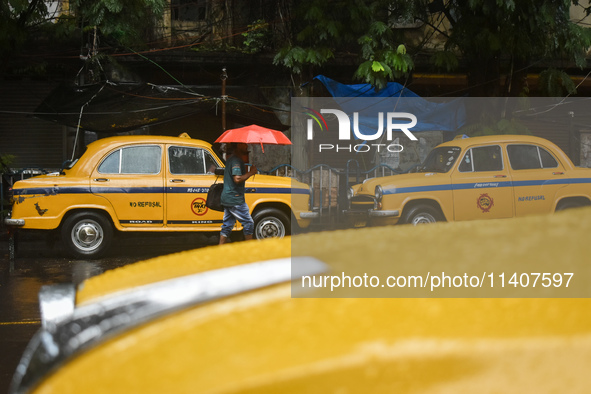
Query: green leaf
{"type": "Point", "coordinates": [333, 29]}
{"type": "Point", "coordinates": [446, 60]}
{"type": "Point", "coordinates": [556, 83]}
{"type": "Point", "coordinates": [378, 28]}
{"type": "Point", "coordinates": [363, 71]}
{"type": "Point", "coordinates": [377, 66]}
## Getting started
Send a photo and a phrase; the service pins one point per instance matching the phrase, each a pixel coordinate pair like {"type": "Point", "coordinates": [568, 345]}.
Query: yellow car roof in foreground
{"type": "Point", "coordinates": [266, 341]}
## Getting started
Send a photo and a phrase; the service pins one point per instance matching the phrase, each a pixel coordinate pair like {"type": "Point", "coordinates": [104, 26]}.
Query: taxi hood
{"type": "Point", "coordinates": [409, 179]}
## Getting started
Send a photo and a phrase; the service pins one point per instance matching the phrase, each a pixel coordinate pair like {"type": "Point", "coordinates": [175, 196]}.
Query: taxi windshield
{"type": "Point", "coordinates": [440, 159]}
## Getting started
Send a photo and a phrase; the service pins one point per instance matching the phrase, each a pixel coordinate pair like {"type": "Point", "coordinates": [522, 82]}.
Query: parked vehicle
{"type": "Point", "coordinates": [146, 183]}
{"type": "Point", "coordinates": [488, 177]}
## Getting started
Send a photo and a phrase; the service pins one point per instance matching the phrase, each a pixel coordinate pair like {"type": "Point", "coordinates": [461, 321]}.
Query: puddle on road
{"type": "Point", "coordinates": [39, 263]}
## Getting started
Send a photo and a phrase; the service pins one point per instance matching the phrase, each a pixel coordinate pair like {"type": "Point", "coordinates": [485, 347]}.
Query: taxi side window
{"type": "Point", "coordinates": [483, 158]}
{"type": "Point", "coordinates": [529, 157]}
{"type": "Point", "coordinates": [210, 164]}
{"type": "Point", "coordinates": [190, 161]}
{"type": "Point", "coordinates": [548, 161]}
{"type": "Point", "coordinates": [132, 160]}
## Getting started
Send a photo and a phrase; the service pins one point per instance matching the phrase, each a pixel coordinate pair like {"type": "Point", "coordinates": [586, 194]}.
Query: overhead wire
{"type": "Point", "coordinates": [250, 29]}
{"type": "Point", "coordinates": [141, 54]}
{"type": "Point", "coordinates": [154, 50]}
{"type": "Point", "coordinates": [553, 106]}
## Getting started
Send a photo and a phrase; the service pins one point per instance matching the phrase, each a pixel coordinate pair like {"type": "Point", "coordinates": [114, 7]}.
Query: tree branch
{"type": "Point", "coordinates": [24, 16]}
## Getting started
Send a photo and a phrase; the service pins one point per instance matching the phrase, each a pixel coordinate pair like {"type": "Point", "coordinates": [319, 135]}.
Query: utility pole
{"type": "Point", "coordinates": [224, 76]}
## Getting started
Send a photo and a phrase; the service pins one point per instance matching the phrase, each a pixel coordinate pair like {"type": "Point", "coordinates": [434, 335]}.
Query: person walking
{"type": "Point", "coordinates": [232, 199]}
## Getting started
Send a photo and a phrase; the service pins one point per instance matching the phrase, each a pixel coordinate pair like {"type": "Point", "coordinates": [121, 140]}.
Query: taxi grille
{"type": "Point", "coordinates": [362, 203]}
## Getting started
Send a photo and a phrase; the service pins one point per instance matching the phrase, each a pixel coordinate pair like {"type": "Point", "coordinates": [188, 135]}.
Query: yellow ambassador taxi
{"type": "Point", "coordinates": [146, 183]}
{"type": "Point", "coordinates": [489, 177]}
{"type": "Point", "coordinates": [223, 319]}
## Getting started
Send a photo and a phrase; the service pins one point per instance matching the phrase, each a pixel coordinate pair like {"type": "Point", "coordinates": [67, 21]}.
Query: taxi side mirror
{"type": "Point", "coordinates": [219, 171]}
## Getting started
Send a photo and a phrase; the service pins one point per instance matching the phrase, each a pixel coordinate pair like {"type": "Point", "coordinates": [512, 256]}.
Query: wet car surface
{"type": "Point", "coordinates": [506, 340]}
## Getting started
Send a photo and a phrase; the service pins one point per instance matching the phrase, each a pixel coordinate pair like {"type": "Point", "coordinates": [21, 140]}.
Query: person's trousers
{"type": "Point", "coordinates": [240, 213]}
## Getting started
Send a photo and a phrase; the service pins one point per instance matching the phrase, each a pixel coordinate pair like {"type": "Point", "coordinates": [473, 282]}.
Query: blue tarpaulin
{"type": "Point", "coordinates": [444, 115]}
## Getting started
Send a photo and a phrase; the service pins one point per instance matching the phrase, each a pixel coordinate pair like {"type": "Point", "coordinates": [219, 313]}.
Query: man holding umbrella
{"type": "Point", "coordinates": [232, 198]}
{"type": "Point", "coordinates": [235, 174]}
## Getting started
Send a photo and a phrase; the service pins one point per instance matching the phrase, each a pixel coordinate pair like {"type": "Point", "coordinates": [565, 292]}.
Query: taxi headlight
{"type": "Point", "coordinates": [378, 193]}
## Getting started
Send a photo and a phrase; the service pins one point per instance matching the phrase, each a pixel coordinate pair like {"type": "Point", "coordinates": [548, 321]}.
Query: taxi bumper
{"type": "Point", "coordinates": [309, 215]}
{"type": "Point", "coordinates": [373, 213]}
{"type": "Point", "coordinates": [14, 222]}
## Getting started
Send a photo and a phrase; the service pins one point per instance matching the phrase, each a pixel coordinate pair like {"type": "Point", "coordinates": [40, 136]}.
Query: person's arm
{"type": "Point", "coordinates": [244, 177]}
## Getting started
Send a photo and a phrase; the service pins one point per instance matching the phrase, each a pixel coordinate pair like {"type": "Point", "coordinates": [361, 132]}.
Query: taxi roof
{"type": "Point", "coordinates": [508, 138]}
{"type": "Point", "coordinates": [181, 139]}
{"type": "Point", "coordinates": [95, 150]}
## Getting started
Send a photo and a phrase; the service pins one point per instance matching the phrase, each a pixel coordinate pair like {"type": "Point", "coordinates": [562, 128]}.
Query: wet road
{"type": "Point", "coordinates": [40, 263]}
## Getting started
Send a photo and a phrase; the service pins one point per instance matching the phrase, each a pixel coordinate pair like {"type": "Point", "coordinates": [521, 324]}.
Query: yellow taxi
{"type": "Point", "coordinates": [147, 183]}
{"type": "Point", "coordinates": [225, 319]}
{"type": "Point", "coordinates": [487, 177]}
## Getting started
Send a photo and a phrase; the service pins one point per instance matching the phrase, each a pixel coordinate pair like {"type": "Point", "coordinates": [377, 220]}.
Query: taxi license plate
{"type": "Point", "coordinates": [360, 223]}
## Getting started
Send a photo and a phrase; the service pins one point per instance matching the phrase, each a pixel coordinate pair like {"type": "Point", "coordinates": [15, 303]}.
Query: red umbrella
{"type": "Point", "coordinates": [254, 134]}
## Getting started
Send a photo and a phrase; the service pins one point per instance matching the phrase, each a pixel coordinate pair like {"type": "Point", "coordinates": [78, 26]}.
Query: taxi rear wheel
{"type": "Point", "coordinates": [568, 205]}
{"type": "Point", "coordinates": [271, 223]}
{"type": "Point", "coordinates": [422, 214]}
{"type": "Point", "coordinates": [87, 234]}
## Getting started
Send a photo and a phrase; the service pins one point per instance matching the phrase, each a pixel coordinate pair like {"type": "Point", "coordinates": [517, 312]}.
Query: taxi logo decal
{"type": "Point", "coordinates": [485, 202]}
{"type": "Point", "coordinates": [198, 206]}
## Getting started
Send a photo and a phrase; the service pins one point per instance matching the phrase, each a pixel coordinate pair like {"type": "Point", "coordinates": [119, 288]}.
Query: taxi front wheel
{"type": "Point", "coordinates": [422, 214]}
{"type": "Point", "coordinates": [87, 234]}
{"type": "Point", "coordinates": [271, 223]}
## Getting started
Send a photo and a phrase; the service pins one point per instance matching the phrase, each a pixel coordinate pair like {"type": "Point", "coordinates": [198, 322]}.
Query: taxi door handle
{"type": "Point", "coordinates": [558, 173]}
{"type": "Point", "coordinates": [177, 180]}
{"type": "Point", "coordinates": [500, 176]}
{"type": "Point", "coordinates": [101, 179]}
